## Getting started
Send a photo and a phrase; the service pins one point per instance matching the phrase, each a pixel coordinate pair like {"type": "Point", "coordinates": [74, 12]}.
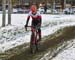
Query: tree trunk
{"type": "Point", "coordinates": [52, 6]}
{"type": "Point", "coordinates": [4, 12]}
{"type": "Point", "coordinates": [62, 4]}
{"type": "Point", "coordinates": [9, 12]}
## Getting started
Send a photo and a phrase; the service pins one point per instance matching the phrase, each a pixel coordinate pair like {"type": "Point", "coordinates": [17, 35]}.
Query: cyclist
{"type": "Point", "coordinates": [36, 21]}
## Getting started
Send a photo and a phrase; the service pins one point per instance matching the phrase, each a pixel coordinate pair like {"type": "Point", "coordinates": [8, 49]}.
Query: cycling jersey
{"type": "Point", "coordinates": [36, 18]}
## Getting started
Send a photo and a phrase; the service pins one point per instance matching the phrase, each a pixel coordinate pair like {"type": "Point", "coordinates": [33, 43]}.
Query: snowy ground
{"type": "Point", "coordinates": [11, 36]}
{"type": "Point", "coordinates": [68, 53]}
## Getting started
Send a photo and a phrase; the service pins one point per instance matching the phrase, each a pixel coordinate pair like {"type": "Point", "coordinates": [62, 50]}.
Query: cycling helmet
{"type": "Point", "coordinates": [33, 8]}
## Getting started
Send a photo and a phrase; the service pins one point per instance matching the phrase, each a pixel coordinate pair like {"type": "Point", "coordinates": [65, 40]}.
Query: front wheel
{"type": "Point", "coordinates": [33, 44]}
{"type": "Point", "coordinates": [33, 48]}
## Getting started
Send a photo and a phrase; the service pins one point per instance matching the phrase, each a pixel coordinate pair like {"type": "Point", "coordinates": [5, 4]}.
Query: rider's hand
{"type": "Point", "coordinates": [26, 27]}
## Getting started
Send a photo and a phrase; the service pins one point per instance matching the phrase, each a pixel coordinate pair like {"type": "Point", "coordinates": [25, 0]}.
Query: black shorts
{"type": "Point", "coordinates": [35, 24]}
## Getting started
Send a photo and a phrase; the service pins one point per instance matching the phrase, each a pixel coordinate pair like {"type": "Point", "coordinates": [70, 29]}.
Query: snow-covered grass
{"type": "Point", "coordinates": [11, 36]}
{"type": "Point", "coordinates": [64, 52]}
{"type": "Point", "coordinates": [68, 53]}
{"type": "Point", "coordinates": [20, 19]}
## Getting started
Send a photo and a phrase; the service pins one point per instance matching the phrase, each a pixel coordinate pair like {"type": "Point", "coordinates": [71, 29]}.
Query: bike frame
{"type": "Point", "coordinates": [34, 31]}
{"type": "Point", "coordinates": [33, 42]}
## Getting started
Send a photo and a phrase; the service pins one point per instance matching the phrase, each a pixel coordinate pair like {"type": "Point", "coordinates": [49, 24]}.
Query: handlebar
{"type": "Point", "coordinates": [33, 27]}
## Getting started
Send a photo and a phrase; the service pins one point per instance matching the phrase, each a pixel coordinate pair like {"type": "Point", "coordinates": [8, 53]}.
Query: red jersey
{"type": "Point", "coordinates": [34, 16]}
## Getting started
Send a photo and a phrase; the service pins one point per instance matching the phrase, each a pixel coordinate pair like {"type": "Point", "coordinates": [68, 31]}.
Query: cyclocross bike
{"type": "Point", "coordinates": [34, 39]}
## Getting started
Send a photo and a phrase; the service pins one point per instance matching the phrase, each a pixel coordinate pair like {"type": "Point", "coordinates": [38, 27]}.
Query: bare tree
{"type": "Point", "coordinates": [62, 4]}
{"type": "Point", "coordinates": [9, 11]}
{"type": "Point", "coordinates": [4, 12]}
{"type": "Point", "coordinates": [52, 6]}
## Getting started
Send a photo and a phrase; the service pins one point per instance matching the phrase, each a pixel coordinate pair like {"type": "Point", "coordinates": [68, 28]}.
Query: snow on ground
{"type": "Point", "coordinates": [20, 19]}
{"type": "Point", "coordinates": [11, 36]}
{"type": "Point", "coordinates": [68, 53]}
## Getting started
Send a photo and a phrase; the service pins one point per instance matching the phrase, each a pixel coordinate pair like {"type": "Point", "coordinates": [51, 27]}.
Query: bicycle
{"type": "Point", "coordinates": [34, 39]}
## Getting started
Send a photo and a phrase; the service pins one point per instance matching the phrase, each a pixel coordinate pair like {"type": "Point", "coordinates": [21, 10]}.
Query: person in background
{"type": "Point", "coordinates": [45, 8]}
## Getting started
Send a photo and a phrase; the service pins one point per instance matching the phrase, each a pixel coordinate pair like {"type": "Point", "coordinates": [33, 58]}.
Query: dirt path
{"type": "Point", "coordinates": [48, 43]}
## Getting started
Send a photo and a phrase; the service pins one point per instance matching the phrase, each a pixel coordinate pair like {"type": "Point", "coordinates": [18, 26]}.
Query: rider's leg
{"type": "Point", "coordinates": [32, 39]}
{"type": "Point", "coordinates": [39, 33]}
{"type": "Point", "coordinates": [33, 36]}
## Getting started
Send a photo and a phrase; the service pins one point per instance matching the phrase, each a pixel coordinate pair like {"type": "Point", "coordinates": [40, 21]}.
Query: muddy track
{"type": "Point", "coordinates": [47, 44]}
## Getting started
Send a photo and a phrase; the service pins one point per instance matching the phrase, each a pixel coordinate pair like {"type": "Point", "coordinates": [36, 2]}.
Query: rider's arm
{"type": "Point", "coordinates": [28, 18]}
{"type": "Point", "coordinates": [40, 19]}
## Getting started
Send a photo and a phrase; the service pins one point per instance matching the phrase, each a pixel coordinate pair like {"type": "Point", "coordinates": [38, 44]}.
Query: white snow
{"type": "Point", "coordinates": [67, 53]}
{"type": "Point", "coordinates": [11, 36]}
